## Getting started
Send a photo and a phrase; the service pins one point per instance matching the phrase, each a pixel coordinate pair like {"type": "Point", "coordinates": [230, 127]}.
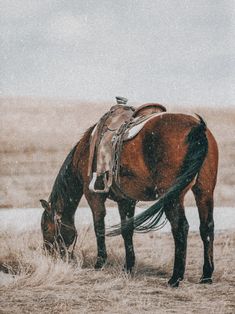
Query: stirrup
{"type": "Point", "coordinates": [107, 184]}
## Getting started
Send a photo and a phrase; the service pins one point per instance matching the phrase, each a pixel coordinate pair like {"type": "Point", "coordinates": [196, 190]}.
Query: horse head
{"type": "Point", "coordinates": [58, 236]}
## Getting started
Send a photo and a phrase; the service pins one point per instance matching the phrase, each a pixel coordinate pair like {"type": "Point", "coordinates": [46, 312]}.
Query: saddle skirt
{"type": "Point", "coordinates": [120, 124]}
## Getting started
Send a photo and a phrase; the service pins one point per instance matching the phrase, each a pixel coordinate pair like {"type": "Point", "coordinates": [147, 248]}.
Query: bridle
{"type": "Point", "coordinates": [59, 238]}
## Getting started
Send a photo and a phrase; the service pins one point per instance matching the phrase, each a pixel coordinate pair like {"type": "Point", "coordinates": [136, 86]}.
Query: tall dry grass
{"type": "Point", "coordinates": [35, 282]}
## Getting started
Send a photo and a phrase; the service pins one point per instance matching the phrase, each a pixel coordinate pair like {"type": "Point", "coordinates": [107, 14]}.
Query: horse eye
{"type": "Point", "coordinates": [45, 228]}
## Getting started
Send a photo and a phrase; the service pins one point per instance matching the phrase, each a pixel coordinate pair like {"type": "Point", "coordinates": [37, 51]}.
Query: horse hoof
{"type": "Point", "coordinates": [174, 283]}
{"type": "Point", "coordinates": [206, 281]}
{"type": "Point", "coordinates": [127, 270]}
{"type": "Point", "coordinates": [100, 263]}
{"type": "Point", "coordinates": [73, 259]}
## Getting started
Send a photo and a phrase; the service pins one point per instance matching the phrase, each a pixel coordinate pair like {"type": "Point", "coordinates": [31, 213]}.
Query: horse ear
{"type": "Point", "coordinates": [45, 205]}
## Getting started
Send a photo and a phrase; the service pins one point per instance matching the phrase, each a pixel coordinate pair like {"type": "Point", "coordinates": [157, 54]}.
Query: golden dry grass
{"type": "Point", "coordinates": [41, 284]}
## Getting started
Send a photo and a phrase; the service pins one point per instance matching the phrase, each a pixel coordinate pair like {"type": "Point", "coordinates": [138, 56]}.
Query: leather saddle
{"type": "Point", "coordinates": [120, 124]}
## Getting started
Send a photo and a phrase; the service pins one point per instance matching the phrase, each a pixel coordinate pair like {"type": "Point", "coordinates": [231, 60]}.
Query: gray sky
{"type": "Point", "coordinates": [167, 51]}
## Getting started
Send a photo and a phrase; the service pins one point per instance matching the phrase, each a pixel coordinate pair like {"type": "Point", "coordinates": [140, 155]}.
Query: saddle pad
{"type": "Point", "coordinates": [138, 125]}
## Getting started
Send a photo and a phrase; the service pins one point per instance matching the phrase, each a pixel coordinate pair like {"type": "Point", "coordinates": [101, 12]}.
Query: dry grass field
{"type": "Point", "coordinates": [36, 136]}
{"type": "Point", "coordinates": [42, 285]}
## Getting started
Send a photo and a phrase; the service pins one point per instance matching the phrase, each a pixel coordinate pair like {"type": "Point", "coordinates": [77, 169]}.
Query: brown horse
{"type": "Point", "coordinates": [170, 155]}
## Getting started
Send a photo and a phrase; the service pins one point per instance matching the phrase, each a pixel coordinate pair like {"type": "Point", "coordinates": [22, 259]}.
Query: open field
{"type": "Point", "coordinates": [36, 136]}
{"type": "Point", "coordinates": [43, 285]}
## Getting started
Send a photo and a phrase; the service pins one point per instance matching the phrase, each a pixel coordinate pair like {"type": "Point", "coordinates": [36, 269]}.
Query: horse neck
{"type": "Point", "coordinates": [70, 205]}
{"type": "Point", "coordinates": [68, 187]}
{"type": "Point", "coordinates": [67, 190]}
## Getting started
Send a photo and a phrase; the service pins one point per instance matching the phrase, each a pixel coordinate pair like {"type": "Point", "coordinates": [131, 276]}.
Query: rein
{"type": "Point", "coordinates": [58, 236]}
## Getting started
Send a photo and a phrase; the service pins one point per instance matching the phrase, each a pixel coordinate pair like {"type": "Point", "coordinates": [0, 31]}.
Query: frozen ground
{"type": "Point", "coordinates": [22, 219]}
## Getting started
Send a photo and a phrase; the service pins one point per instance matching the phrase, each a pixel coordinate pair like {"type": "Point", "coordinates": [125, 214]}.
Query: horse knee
{"type": "Point", "coordinates": [181, 227]}
{"type": "Point", "coordinates": [185, 226]}
{"type": "Point", "coordinates": [99, 224]}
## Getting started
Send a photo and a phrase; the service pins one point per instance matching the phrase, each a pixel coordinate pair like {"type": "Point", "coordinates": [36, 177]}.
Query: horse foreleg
{"type": "Point", "coordinates": [96, 203]}
{"type": "Point", "coordinates": [205, 207]}
{"type": "Point", "coordinates": [179, 225]}
{"type": "Point", "coordinates": [126, 211]}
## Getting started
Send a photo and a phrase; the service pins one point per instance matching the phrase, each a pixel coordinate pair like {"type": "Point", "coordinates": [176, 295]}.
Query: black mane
{"type": "Point", "coordinates": [67, 184]}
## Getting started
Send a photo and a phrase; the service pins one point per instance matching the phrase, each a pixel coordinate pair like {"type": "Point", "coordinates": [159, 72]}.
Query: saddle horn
{"type": "Point", "coordinates": [121, 100]}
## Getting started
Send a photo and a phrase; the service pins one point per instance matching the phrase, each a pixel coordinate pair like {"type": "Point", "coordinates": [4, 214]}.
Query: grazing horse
{"type": "Point", "coordinates": [170, 155]}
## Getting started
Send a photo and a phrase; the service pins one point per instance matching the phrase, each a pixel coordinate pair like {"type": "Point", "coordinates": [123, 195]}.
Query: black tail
{"type": "Point", "coordinates": [196, 153]}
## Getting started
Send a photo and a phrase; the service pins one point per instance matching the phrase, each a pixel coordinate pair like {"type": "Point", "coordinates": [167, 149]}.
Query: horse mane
{"type": "Point", "coordinates": [68, 181]}
{"type": "Point", "coordinates": [84, 141]}
{"type": "Point", "coordinates": [65, 181]}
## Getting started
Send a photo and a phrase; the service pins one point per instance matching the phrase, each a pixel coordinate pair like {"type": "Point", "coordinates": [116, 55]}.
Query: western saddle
{"type": "Point", "coordinates": [120, 124]}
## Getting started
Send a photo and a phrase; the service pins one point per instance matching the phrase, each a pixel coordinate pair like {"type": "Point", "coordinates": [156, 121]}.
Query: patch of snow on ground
{"type": "Point", "coordinates": [20, 219]}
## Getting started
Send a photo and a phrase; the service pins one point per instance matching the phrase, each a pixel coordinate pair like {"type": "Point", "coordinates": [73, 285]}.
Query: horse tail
{"type": "Point", "coordinates": [193, 160]}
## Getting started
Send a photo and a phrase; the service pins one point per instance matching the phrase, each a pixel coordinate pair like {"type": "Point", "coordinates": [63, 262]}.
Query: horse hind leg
{"type": "Point", "coordinates": [126, 210]}
{"type": "Point", "coordinates": [205, 204]}
{"type": "Point", "coordinates": [203, 192]}
{"type": "Point", "coordinates": [175, 213]}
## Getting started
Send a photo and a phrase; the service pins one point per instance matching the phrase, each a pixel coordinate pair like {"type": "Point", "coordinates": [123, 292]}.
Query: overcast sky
{"type": "Point", "coordinates": [167, 51]}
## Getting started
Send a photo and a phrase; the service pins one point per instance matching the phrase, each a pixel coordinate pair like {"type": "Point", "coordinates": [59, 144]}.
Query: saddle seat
{"type": "Point", "coordinates": [121, 123]}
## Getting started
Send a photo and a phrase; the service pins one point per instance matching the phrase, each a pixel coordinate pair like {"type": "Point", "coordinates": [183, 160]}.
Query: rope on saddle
{"type": "Point", "coordinates": [117, 146]}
